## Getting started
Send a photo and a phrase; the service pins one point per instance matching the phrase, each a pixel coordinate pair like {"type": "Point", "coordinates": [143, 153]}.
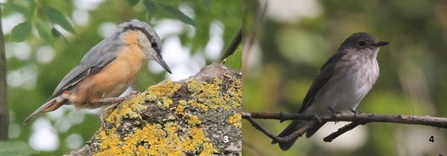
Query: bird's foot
{"type": "Point", "coordinates": [334, 114]}
{"type": "Point", "coordinates": [355, 112]}
{"type": "Point", "coordinates": [106, 112]}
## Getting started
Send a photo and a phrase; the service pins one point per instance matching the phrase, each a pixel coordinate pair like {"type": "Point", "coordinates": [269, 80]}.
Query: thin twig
{"type": "Point", "coordinates": [341, 131]}
{"type": "Point", "coordinates": [363, 117]}
{"type": "Point", "coordinates": [260, 128]}
{"type": "Point", "coordinates": [356, 119]}
{"type": "Point", "coordinates": [296, 134]}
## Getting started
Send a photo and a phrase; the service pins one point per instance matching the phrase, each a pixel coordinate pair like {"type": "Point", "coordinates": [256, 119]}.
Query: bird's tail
{"type": "Point", "coordinates": [50, 105]}
{"type": "Point", "coordinates": [294, 126]}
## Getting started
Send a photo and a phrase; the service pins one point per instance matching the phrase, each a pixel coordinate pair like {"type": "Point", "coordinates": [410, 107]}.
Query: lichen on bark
{"type": "Point", "coordinates": [196, 116]}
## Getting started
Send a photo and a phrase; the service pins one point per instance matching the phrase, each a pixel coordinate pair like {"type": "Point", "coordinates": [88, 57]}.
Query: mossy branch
{"type": "Point", "coordinates": [200, 115]}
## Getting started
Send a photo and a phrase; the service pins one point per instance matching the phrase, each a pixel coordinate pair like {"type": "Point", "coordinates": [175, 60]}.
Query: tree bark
{"type": "Point", "coordinates": [200, 115]}
{"type": "Point", "coordinates": [4, 110]}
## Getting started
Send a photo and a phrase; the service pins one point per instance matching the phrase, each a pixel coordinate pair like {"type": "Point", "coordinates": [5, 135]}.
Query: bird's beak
{"type": "Point", "coordinates": [162, 63]}
{"type": "Point", "coordinates": [380, 43]}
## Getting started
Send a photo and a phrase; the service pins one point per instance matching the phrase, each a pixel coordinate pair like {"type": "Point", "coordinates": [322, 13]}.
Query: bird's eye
{"type": "Point", "coordinates": [153, 44]}
{"type": "Point", "coordinates": [362, 43]}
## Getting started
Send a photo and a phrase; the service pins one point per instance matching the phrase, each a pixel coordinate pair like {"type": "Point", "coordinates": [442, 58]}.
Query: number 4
{"type": "Point", "coordinates": [432, 139]}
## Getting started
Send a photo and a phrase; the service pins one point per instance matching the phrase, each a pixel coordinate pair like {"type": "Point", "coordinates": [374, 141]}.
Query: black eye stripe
{"type": "Point", "coordinates": [154, 43]}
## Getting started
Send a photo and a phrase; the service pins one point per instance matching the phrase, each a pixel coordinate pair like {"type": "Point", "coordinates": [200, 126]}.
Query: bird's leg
{"type": "Point", "coordinates": [112, 99]}
{"type": "Point", "coordinates": [114, 102]}
{"type": "Point", "coordinates": [355, 112]}
{"type": "Point", "coordinates": [334, 114]}
{"type": "Point", "coordinates": [106, 112]}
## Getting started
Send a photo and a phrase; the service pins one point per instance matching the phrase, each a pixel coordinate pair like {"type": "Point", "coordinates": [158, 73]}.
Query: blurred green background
{"type": "Point", "coordinates": [295, 38]}
{"type": "Point", "coordinates": [193, 32]}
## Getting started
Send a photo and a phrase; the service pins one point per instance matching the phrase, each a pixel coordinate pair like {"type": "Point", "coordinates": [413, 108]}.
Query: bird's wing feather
{"type": "Point", "coordinates": [325, 75]}
{"type": "Point", "coordinates": [97, 58]}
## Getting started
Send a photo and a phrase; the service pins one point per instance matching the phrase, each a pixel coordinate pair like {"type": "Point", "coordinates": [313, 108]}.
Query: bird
{"type": "Point", "coordinates": [342, 83]}
{"type": "Point", "coordinates": [107, 69]}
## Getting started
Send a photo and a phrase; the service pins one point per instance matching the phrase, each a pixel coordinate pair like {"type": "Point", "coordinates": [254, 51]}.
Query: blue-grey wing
{"type": "Point", "coordinates": [93, 62]}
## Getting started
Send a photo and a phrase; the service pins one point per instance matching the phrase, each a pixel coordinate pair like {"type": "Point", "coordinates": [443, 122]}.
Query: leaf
{"type": "Point", "coordinates": [57, 17]}
{"type": "Point", "coordinates": [19, 8]}
{"type": "Point", "coordinates": [44, 32]}
{"type": "Point", "coordinates": [21, 31]}
{"type": "Point", "coordinates": [55, 32]}
{"type": "Point", "coordinates": [150, 6]}
{"type": "Point", "coordinates": [235, 61]}
{"type": "Point", "coordinates": [133, 2]}
{"type": "Point", "coordinates": [179, 15]}
{"type": "Point", "coordinates": [15, 148]}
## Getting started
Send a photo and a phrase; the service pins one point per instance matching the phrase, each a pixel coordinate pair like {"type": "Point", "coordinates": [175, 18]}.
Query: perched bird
{"type": "Point", "coordinates": [108, 69]}
{"type": "Point", "coordinates": [342, 83]}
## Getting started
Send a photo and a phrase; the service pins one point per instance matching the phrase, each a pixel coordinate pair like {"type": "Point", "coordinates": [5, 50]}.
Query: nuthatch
{"type": "Point", "coordinates": [108, 69]}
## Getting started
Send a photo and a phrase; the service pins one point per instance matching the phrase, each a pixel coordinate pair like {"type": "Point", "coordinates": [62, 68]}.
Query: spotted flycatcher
{"type": "Point", "coordinates": [342, 83]}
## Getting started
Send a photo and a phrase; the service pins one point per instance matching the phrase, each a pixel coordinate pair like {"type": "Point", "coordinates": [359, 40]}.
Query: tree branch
{"type": "Point", "coordinates": [342, 130]}
{"type": "Point", "coordinates": [4, 110]}
{"type": "Point", "coordinates": [356, 119]}
{"type": "Point", "coordinates": [196, 116]}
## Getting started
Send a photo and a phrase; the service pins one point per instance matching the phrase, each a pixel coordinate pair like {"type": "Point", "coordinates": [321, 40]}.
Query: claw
{"type": "Point", "coordinates": [134, 92]}
{"type": "Point", "coordinates": [334, 114]}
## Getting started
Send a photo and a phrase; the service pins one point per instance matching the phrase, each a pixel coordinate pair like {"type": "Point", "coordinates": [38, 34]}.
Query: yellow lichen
{"type": "Point", "coordinates": [127, 109]}
{"type": "Point", "coordinates": [217, 81]}
{"type": "Point", "coordinates": [194, 120]}
{"type": "Point", "coordinates": [170, 138]}
{"type": "Point", "coordinates": [202, 106]}
{"type": "Point", "coordinates": [167, 102]}
{"type": "Point", "coordinates": [208, 149]}
{"type": "Point", "coordinates": [164, 89]}
{"type": "Point", "coordinates": [198, 136]}
{"type": "Point", "coordinates": [194, 87]}
{"type": "Point", "coordinates": [236, 120]}
{"type": "Point", "coordinates": [179, 109]}
{"type": "Point", "coordinates": [188, 145]}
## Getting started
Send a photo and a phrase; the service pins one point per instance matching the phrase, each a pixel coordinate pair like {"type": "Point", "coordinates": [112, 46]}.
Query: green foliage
{"type": "Point", "coordinates": [17, 8]}
{"type": "Point", "coordinates": [14, 148]}
{"type": "Point", "coordinates": [177, 14]}
{"type": "Point", "coordinates": [20, 32]}
{"type": "Point", "coordinates": [44, 31]}
{"type": "Point", "coordinates": [133, 2]}
{"type": "Point", "coordinates": [57, 17]}
{"type": "Point", "coordinates": [235, 61]}
{"type": "Point", "coordinates": [43, 24]}
{"type": "Point", "coordinates": [150, 6]}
